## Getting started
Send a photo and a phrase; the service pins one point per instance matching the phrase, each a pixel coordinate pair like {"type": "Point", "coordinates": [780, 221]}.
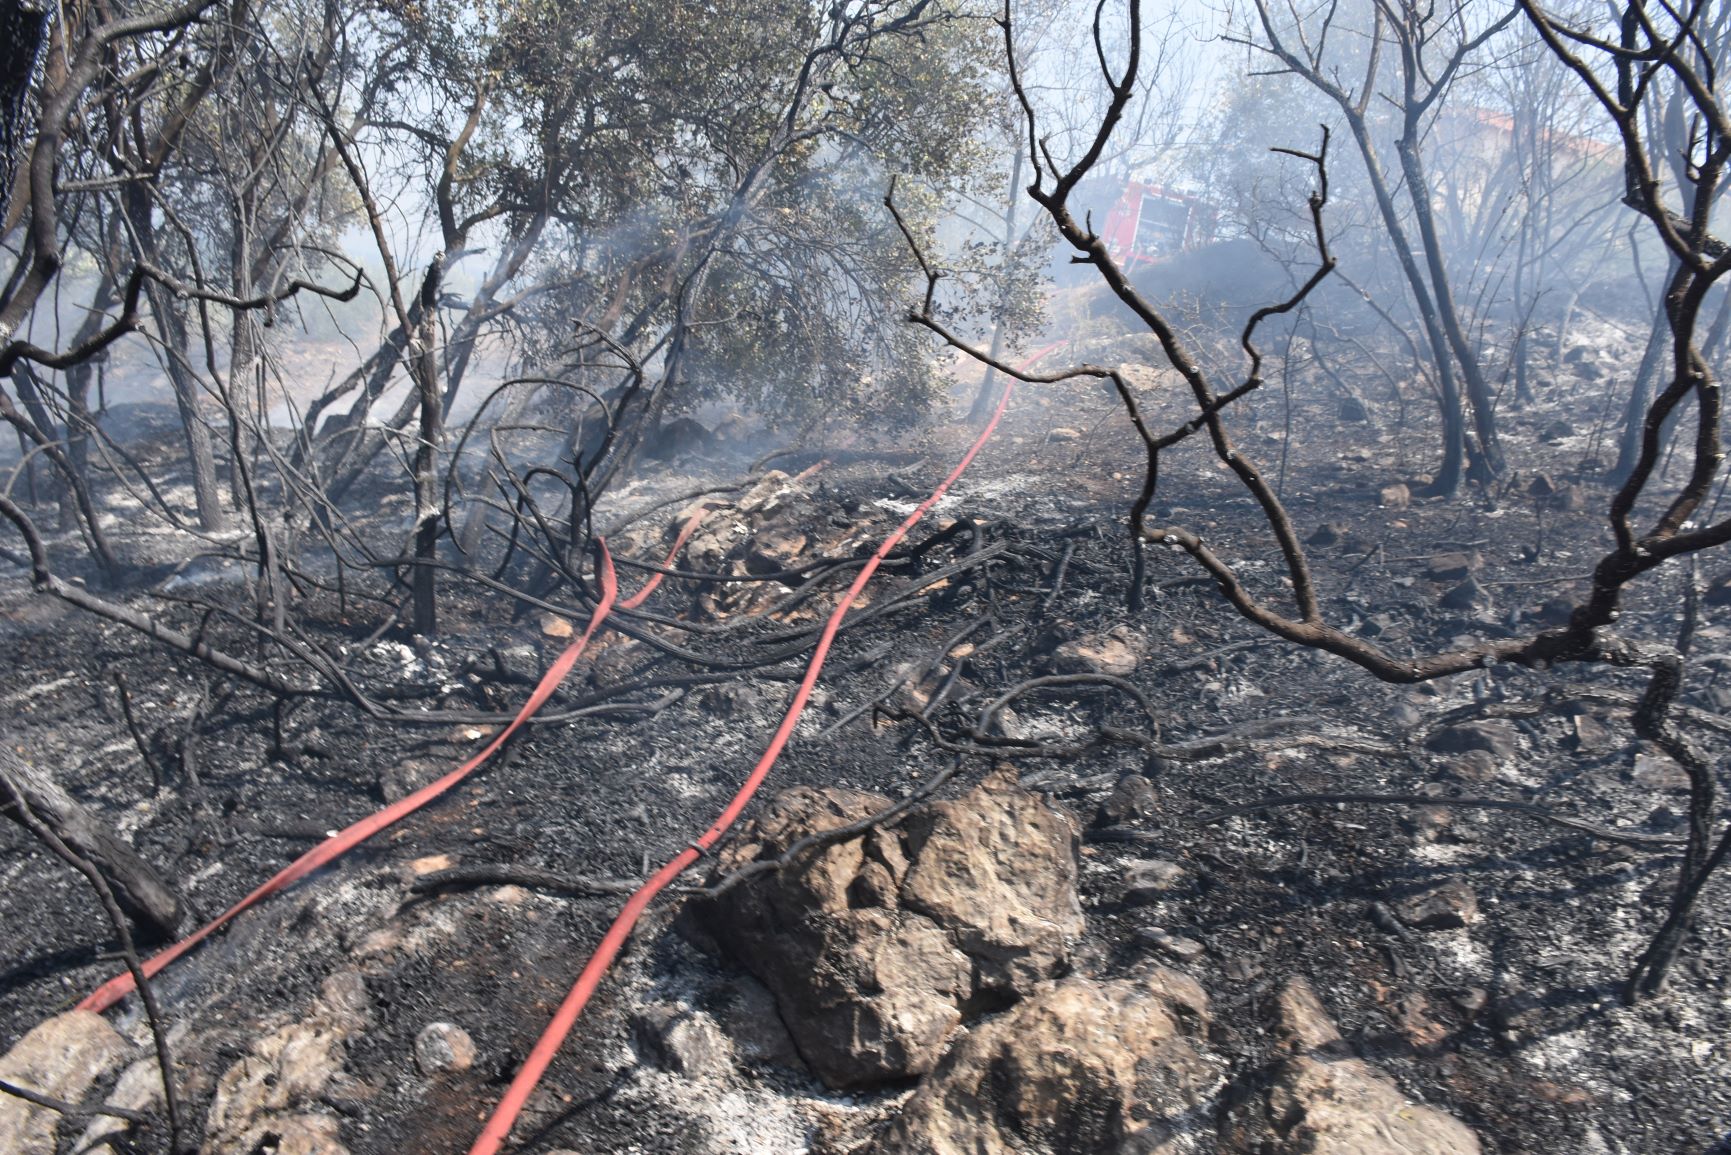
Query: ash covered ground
{"type": "Point", "coordinates": [479, 911]}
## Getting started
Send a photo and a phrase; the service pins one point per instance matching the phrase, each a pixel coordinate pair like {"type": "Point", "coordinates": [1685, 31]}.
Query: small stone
{"type": "Point", "coordinates": [1376, 625]}
{"type": "Point", "coordinates": [1385, 919]}
{"type": "Point", "coordinates": [1471, 1001]}
{"type": "Point", "coordinates": [431, 864]}
{"type": "Point", "coordinates": [1351, 409]}
{"type": "Point", "coordinates": [1453, 567]}
{"type": "Point", "coordinates": [1448, 907]}
{"type": "Point", "coordinates": [685, 1042]}
{"type": "Point", "coordinates": [1517, 1011]}
{"type": "Point", "coordinates": [1413, 1015]}
{"type": "Point", "coordinates": [1493, 737]}
{"type": "Point", "coordinates": [1115, 654]}
{"type": "Point", "coordinates": [1148, 879]}
{"type": "Point", "coordinates": [1180, 948]}
{"type": "Point", "coordinates": [1590, 734]}
{"type": "Point", "coordinates": [443, 1047]}
{"type": "Point", "coordinates": [1303, 1023]}
{"type": "Point", "coordinates": [1430, 823]}
{"type": "Point", "coordinates": [1064, 433]}
{"type": "Point", "coordinates": [1133, 797]}
{"type": "Point", "coordinates": [1328, 534]}
{"type": "Point", "coordinates": [729, 700]}
{"type": "Point", "coordinates": [1468, 595]}
{"type": "Point", "coordinates": [554, 626]}
{"type": "Point", "coordinates": [1657, 771]}
{"type": "Point", "coordinates": [520, 664]}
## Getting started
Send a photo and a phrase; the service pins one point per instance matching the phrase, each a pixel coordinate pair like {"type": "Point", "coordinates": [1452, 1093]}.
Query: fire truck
{"type": "Point", "coordinates": [1151, 222]}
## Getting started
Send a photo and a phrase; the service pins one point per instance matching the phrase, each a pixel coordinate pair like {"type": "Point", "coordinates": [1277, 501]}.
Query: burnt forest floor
{"type": "Point", "coordinates": [1512, 1022]}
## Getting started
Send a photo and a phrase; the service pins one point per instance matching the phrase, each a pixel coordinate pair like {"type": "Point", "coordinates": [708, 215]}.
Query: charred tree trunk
{"type": "Point", "coordinates": [27, 428]}
{"type": "Point", "coordinates": [30, 393]}
{"type": "Point", "coordinates": [171, 329]}
{"type": "Point", "coordinates": [426, 366]}
{"type": "Point", "coordinates": [1478, 391]}
{"type": "Point", "coordinates": [200, 455]}
{"type": "Point", "coordinates": [1449, 471]}
{"type": "Point", "coordinates": [1640, 399]}
{"type": "Point", "coordinates": [987, 399]}
{"type": "Point", "coordinates": [148, 901]}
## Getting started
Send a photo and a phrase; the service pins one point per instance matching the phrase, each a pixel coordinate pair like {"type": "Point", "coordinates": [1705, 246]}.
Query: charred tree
{"type": "Point", "coordinates": [1423, 84]}
{"type": "Point", "coordinates": [1591, 634]}
{"type": "Point", "coordinates": [427, 510]}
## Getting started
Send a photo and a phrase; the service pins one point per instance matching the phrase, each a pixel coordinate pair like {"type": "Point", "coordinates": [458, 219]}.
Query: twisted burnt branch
{"type": "Point", "coordinates": [1589, 636]}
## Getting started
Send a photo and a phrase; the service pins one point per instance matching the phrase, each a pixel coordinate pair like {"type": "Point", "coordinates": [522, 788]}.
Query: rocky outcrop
{"type": "Point", "coordinates": [63, 1057]}
{"type": "Point", "coordinates": [1117, 652]}
{"type": "Point", "coordinates": [275, 1092]}
{"type": "Point", "coordinates": [876, 948]}
{"type": "Point", "coordinates": [1081, 1066]}
{"type": "Point", "coordinates": [1320, 1100]}
{"type": "Point", "coordinates": [766, 529]}
{"type": "Point", "coordinates": [1346, 1108]}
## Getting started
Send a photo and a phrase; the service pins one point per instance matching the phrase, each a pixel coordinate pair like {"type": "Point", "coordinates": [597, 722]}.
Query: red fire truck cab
{"type": "Point", "coordinates": [1151, 222]}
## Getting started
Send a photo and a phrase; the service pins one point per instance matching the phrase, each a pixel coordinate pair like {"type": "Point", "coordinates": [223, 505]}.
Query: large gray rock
{"type": "Point", "coordinates": [873, 947]}
{"type": "Point", "coordinates": [271, 1088]}
{"type": "Point", "coordinates": [996, 869]}
{"type": "Point", "coordinates": [1117, 653]}
{"type": "Point", "coordinates": [1495, 738]}
{"type": "Point", "coordinates": [1344, 1107]}
{"type": "Point", "coordinates": [278, 1087]}
{"type": "Point", "coordinates": [1453, 567]}
{"type": "Point", "coordinates": [62, 1057]}
{"type": "Point", "coordinates": [139, 1088]}
{"type": "Point", "coordinates": [1081, 1066]}
{"type": "Point", "coordinates": [1320, 1100]}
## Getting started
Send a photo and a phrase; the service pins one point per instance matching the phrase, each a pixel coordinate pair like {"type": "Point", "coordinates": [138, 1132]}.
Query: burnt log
{"type": "Point", "coordinates": [152, 905]}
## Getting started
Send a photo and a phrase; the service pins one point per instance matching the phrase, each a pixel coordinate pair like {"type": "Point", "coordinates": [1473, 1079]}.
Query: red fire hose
{"type": "Point", "coordinates": [511, 1105]}
{"type": "Point", "coordinates": [505, 1114]}
{"type": "Point", "coordinates": [335, 847]}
